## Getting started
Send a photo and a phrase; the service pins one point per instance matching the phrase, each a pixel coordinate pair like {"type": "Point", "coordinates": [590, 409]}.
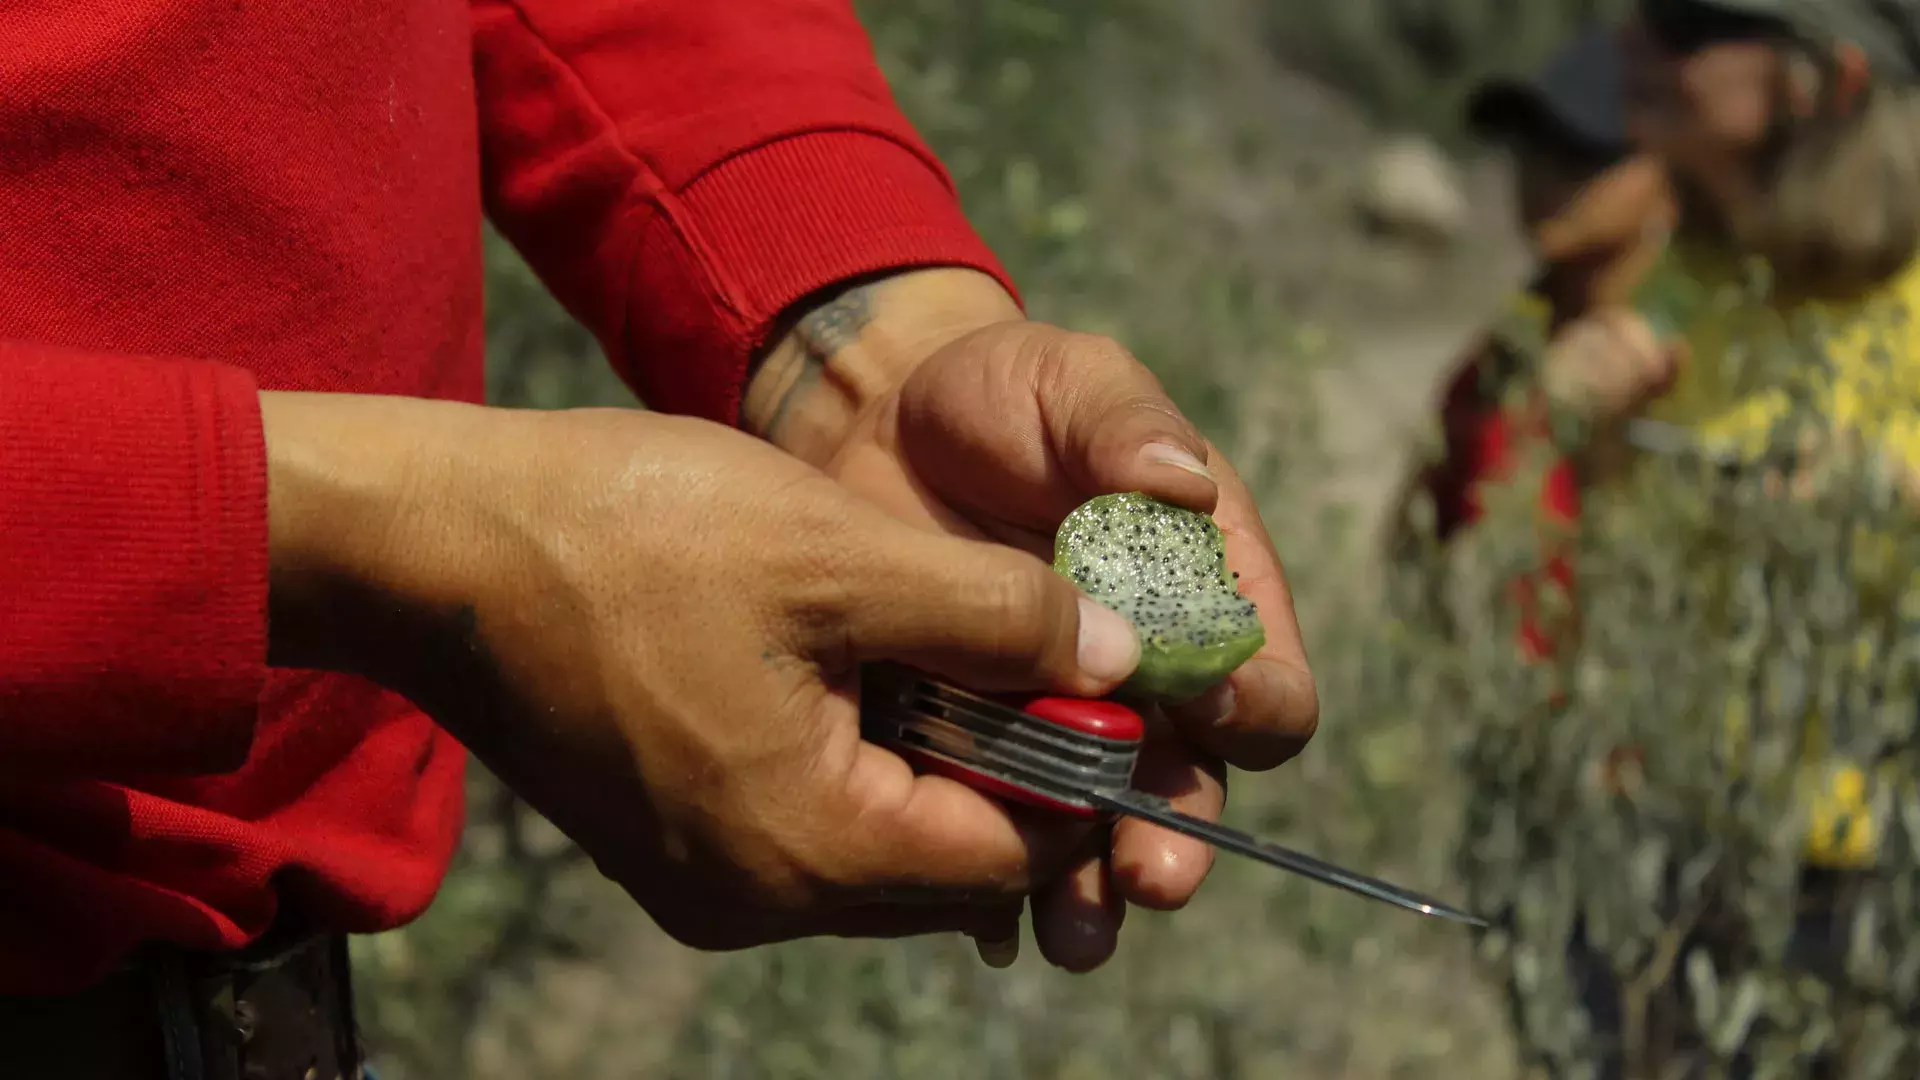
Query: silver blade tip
{"type": "Point", "coordinates": [1442, 911]}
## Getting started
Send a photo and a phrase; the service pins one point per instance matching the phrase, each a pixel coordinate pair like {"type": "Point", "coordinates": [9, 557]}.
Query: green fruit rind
{"type": "Point", "coordinates": [1164, 568]}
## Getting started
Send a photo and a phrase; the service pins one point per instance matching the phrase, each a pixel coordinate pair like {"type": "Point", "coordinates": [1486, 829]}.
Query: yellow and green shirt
{"type": "Point", "coordinates": [1871, 384]}
{"type": "Point", "coordinates": [1733, 391]}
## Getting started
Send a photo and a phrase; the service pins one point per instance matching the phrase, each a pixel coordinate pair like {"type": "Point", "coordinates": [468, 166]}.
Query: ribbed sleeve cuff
{"type": "Point", "coordinates": [133, 563]}
{"type": "Point", "coordinates": [718, 262]}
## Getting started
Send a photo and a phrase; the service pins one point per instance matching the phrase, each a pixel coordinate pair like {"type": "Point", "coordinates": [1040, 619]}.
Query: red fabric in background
{"type": "Point", "coordinates": [1483, 444]}
{"type": "Point", "coordinates": [200, 197]}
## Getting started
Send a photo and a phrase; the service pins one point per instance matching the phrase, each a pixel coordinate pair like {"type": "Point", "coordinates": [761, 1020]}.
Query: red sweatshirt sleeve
{"type": "Point", "coordinates": [133, 563]}
{"type": "Point", "coordinates": [680, 171]}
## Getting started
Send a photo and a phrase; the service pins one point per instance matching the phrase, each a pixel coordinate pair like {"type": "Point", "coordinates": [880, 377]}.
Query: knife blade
{"type": "Point", "coordinates": [1158, 811]}
{"type": "Point", "coordinates": [1072, 756]}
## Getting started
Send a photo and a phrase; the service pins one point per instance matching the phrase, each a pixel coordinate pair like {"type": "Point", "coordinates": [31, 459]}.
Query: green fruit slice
{"type": "Point", "coordinates": [1165, 569]}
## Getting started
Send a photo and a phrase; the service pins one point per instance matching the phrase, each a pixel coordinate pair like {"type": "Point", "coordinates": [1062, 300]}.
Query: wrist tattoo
{"type": "Point", "coordinates": [837, 323]}
{"type": "Point", "coordinates": [792, 376]}
{"type": "Point", "coordinates": [798, 365]}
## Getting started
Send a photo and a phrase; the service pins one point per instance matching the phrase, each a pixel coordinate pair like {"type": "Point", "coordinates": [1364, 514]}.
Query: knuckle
{"type": "Point", "coordinates": [1017, 600]}
{"type": "Point", "coordinates": [1095, 347]}
{"type": "Point", "coordinates": [823, 573]}
{"type": "Point", "coordinates": [1271, 740]}
{"type": "Point", "coordinates": [1298, 715]}
{"type": "Point", "coordinates": [1068, 356]}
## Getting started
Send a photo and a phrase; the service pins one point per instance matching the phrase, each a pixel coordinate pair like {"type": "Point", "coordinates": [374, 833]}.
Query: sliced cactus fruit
{"type": "Point", "coordinates": [1164, 568]}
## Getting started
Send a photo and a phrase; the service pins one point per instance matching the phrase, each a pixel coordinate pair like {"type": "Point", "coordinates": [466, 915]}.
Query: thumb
{"type": "Point", "coordinates": [987, 616]}
{"type": "Point", "coordinates": [1113, 427]}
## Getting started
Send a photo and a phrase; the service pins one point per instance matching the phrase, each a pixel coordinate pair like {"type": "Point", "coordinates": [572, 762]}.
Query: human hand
{"type": "Point", "coordinates": [931, 394]}
{"type": "Point", "coordinates": [1608, 364]}
{"type": "Point", "coordinates": [650, 628]}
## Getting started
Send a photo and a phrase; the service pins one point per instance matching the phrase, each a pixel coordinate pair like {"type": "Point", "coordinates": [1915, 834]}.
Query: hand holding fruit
{"type": "Point", "coordinates": [649, 627]}
{"type": "Point", "coordinates": [992, 426]}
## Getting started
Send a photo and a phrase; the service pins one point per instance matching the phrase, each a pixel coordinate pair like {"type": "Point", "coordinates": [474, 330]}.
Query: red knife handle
{"type": "Point", "coordinates": [1038, 752]}
{"type": "Point", "coordinates": [1090, 716]}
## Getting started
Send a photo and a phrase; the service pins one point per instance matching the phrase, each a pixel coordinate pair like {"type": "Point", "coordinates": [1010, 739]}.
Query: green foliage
{"type": "Point", "coordinates": [1011, 94]}
{"type": "Point", "coordinates": [1639, 807]}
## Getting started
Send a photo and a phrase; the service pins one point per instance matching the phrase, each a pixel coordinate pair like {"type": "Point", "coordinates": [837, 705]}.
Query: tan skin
{"type": "Point", "coordinates": [1596, 234]}
{"type": "Point", "coordinates": [1707, 113]}
{"type": "Point", "coordinates": [512, 573]}
{"type": "Point", "coordinates": [714, 771]}
{"type": "Point", "coordinates": [1603, 360]}
{"type": "Point", "coordinates": [1001, 430]}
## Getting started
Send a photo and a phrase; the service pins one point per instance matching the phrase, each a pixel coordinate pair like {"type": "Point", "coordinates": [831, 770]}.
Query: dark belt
{"type": "Point", "coordinates": [281, 1010]}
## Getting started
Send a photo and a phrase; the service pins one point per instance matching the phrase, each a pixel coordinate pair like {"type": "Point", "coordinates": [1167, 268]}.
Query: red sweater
{"type": "Point", "coordinates": [1483, 443]}
{"type": "Point", "coordinates": [201, 198]}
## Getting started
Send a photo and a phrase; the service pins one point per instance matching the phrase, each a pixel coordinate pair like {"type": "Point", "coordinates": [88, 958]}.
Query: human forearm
{"type": "Point", "coordinates": [843, 349]}
{"type": "Point", "coordinates": [511, 572]}
{"type": "Point", "coordinates": [169, 532]}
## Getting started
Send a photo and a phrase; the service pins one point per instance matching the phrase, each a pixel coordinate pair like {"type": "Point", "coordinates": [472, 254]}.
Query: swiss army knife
{"type": "Point", "coordinates": [1070, 756]}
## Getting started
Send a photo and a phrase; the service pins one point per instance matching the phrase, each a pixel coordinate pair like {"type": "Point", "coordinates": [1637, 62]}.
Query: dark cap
{"type": "Point", "coordinates": [1887, 31]}
{"type": "Point", "coordinates": [1576, 102]}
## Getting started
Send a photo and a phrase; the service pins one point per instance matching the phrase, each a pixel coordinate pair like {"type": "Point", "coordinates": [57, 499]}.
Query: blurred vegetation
{"type": "Point", "coordinates": [1413, 62]}
{"type": "Point", "coordinates": [1640, 808]}
{"type": "Point", "coordinates": [1138, 181]}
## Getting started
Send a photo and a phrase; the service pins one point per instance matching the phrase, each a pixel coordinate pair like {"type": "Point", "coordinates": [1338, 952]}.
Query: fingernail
{"type": "Point", "coordinates": [1169, 454]}
{"type": "Point", "coordinates": [998, 955]}
{"type": "Point", "coordinates": [1108, 648]}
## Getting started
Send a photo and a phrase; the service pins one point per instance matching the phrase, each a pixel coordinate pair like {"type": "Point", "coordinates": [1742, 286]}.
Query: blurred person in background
{"type": "Point", "coordinates": [1791, 132]}
{"type": "Point", "coordinates": [1596, 214]}
{"type": "Point", "coordinates": [266, 562]}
